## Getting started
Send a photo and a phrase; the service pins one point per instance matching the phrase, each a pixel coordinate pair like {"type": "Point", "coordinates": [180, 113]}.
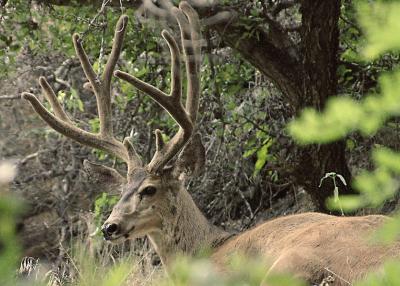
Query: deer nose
{"type": "Point", "coordinates": [109, 229]}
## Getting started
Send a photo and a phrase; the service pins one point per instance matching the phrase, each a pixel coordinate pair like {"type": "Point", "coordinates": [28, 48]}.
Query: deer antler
{"type": "Point", "coordinates": [59, 121]}
{"type": "Point", "coordinates": [184, 117]}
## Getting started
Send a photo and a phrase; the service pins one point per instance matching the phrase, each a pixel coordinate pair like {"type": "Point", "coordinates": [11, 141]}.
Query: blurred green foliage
{"type": "Point", "coordinates": [344, 115]}
{"type": "Point", "coordinates": [373, 18]}
{"type": "Point", "coordinates": [91, 271]}
{"type": "Point", "coordinates": [240, 272]}
{"type": "Point", "coordinates": [9, 247]}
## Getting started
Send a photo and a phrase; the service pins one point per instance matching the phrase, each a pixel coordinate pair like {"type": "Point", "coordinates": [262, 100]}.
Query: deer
{"type": "Point", "coordinates": [154, 201]}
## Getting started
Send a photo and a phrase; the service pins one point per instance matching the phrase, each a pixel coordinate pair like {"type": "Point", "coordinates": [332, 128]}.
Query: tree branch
{"type": "Point", "coordinates": [10, 97]}
{"type": "Point", "coordinates": [282, 5]}
{"type": "Point", "coordinates": [274, 62]}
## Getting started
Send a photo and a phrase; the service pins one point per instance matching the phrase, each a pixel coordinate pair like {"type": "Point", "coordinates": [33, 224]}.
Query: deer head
{"type": "Point", "coordinates": [152, 194]}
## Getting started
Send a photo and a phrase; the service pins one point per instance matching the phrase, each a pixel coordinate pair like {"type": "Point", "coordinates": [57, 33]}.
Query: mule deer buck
{"type": "Point", "coordinates": [155, 203]}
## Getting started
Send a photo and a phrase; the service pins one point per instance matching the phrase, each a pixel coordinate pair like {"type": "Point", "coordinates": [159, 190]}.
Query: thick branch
{"type": "Point", "coordinates": [319, 48]}
{"type": "Point", "coordinates": [274, 62]}
{"type": "Point", "coordinates": [282, 5]}
{"type": "Point", "coordinates": [10, 97]}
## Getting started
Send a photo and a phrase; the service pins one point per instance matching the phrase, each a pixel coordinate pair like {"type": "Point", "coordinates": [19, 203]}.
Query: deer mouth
{"type": "Point", "coordinates": [122, 237]}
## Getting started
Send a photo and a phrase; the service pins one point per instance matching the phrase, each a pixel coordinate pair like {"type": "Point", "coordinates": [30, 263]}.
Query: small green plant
{"type": "Point", "coordinates": [333, 176]}
{"type": "Point", "coordinates": [102, 206]}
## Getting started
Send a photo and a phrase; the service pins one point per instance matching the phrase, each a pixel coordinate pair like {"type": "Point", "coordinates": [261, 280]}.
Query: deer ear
{"type": "Point", "coordinates": [100, 174]}
{"type": "Point", "coordinates": [191, 160]}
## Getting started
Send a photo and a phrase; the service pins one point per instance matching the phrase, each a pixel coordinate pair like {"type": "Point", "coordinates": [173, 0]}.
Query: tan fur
{"type": "Point", "coordinates": [314, 245]}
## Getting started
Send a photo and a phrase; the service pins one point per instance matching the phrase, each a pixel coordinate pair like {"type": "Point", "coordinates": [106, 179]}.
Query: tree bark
{"type": "Point", "coordinates": [319, 50]}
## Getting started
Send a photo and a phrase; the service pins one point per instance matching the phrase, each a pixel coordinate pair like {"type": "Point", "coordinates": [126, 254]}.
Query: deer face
{"type": "Point", "coordinates": [148, 201]}
{"type": "Point", "coordinates": [141, 207]}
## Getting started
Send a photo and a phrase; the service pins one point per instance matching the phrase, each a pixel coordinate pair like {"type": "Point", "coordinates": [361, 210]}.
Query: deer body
{"type": "Point", "coordinates": [155, 203]}
{"type": "Point", "coordinates": [313, 246]}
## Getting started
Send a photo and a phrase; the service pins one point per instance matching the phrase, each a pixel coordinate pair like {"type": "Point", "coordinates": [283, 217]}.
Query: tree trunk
{"type": "Point", "coordinates": [319, 49]}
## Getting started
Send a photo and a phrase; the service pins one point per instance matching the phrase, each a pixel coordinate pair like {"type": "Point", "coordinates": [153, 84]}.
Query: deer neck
{"type": "Point", "coordinates": [186, 232]}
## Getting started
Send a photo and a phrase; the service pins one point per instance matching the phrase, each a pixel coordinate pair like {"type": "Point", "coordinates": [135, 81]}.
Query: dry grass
{"type": "Point", "coordinates": [88, 260]}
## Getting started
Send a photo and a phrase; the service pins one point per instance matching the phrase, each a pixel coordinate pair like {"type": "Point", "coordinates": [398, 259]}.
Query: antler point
{"type": "Point", "coordinates": [123, 20]}
{"type": "Point", "coordinates": [183, 4]}
{"type": "Point", "coordinates": [75, 37]}
{"type": "Point", "coordinates": [27, 95]}
{"type": "Point", "coordinates": [175, 10]}
{"type": "Point", "coordinates": [42, 81]}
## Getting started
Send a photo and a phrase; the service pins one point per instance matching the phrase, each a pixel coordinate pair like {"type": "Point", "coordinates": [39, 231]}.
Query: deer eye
{"type": "Point", "coordinates": [148, 191]}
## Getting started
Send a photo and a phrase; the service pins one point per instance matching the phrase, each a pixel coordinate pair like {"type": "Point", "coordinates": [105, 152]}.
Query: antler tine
{"type": "Point", "coordinates": [102, 87]}
{"type": "Point", "coordinates": [85, 63]}
{"type": "Point", "coordinates": [52, 99]}
{"type": "Point", "coordinates": [172, 103]}
{"type": "Point", "coordinates": [115, 52]}
{"type": "Point", "coordinates": [60, 121]}
{"type": "Point", "coordinates": [113, 147]}
{"type": "Point", "coordinates": [190, 35]}
{"type": "Point", "coordinates": [165, 101]}
{"type": "Point", "coordinates": [176, 79]}
{"type": "Point", "coordinates": [194, 23]}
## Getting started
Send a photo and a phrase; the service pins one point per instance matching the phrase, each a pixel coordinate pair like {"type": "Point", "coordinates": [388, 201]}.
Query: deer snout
{"type": "Point", "coordinates": [110, 229]}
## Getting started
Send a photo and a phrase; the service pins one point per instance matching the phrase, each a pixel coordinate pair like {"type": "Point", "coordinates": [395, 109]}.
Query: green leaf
{"type": "Point", "coordinates": [336, 194]}
{"type": "Point", "coordinates": [250, 152]}
{"type": "Point", "coordinates": [342, 179]}
{"type": "Point", "coordinates": [262, 157]}
{"type": "Point", "coordinates": [373, 16]}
